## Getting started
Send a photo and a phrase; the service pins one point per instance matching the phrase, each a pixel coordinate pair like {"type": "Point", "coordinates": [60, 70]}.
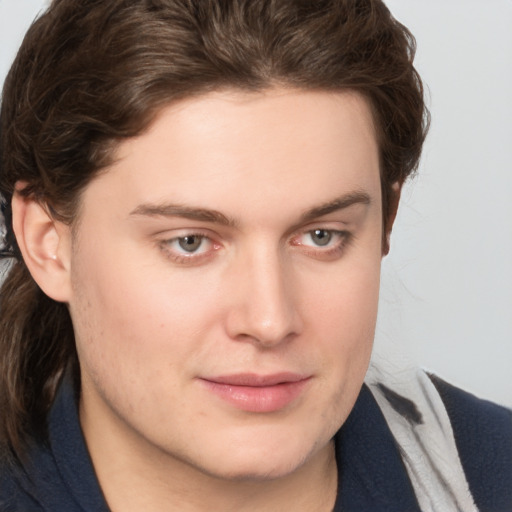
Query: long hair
{"type": "Point", "coordinates": [91, 73]}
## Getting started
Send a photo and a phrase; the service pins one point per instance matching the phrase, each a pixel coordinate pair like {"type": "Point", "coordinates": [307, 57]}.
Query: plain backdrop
{"type": "Point", "coordinates": [446, 300]}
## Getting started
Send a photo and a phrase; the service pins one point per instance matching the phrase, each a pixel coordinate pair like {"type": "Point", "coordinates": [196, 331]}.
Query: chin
{"type": "Point", "coordinates": [261, 462]}
{"type": "Point", "coordinates": [258, 471]}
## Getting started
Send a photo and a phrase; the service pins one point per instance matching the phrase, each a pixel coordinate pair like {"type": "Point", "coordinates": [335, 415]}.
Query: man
{"type": "Point", "coordinates": [198, 196]}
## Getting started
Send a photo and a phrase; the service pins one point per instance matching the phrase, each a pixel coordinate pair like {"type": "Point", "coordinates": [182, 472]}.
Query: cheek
{"type": "Point", "coordinates": [343, 318]}
{"type": "Point", "coordinates": [135, 339]}
{"type": "Point", "coordinates": [138, 319]}
{"type": "Point", "coordinates": [345, 304]}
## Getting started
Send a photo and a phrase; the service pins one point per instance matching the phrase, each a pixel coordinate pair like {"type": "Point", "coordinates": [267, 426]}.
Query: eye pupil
{"type": "Point", "coordinates": [321, 236]}
{"type": "Point", "coordinates": [190, 243]}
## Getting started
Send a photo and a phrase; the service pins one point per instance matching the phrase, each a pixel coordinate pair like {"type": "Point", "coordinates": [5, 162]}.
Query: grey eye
{"type": "Point", "coordinates": [190, 243]}
{"type": "Point", "coordinates": [321, 237]}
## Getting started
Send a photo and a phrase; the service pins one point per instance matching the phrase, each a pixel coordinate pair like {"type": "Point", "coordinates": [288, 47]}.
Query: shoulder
{"type": "Point", "coordinates": [14, 495]}
{"type": "Point", "coordinates": [7, 488]}
{"type": "Point", "coordinates": [457, 448]}
{"type": "Point", "coordinates": [38, 483]}
{"type": "Point", "coordinates": [56, 473]}
{"type": "Point", "coordinates": [483, 435]}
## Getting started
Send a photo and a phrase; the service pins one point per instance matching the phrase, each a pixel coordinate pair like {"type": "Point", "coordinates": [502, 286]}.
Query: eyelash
{"type": "Point", "coordinates": [331, 251]}
{"type": "Point", "coordinates": [192, 257]}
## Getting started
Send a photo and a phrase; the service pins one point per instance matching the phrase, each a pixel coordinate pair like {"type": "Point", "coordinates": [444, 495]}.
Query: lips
{"type": "Point", "coordinates": [257, 393]}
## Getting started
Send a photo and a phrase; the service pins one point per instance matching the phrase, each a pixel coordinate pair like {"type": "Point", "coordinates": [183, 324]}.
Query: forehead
{"type": "Point", "coordinates": [234, 149]}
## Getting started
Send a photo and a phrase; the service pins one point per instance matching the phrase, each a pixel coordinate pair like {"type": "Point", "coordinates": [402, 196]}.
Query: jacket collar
{"type": "Point", "coordinates": [371, 474]}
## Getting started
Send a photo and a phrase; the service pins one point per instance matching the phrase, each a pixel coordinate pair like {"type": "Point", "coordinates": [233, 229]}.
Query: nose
{"type": "Point", "coordinates": [264, 306]}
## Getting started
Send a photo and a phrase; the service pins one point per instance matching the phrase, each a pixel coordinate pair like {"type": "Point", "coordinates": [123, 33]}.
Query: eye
{"type": "Point", "coordinates": [189, 248]}
{"type": "Point", "coordinates": [322, 243]}
{"type": "Point", "coordinates": [190, 243]}
{"type": "Point", "coordinates": [320, 237]}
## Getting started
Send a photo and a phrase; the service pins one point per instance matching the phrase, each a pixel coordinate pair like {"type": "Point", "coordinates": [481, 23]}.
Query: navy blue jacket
{"type": "Point", "coordinates": [372, 477]}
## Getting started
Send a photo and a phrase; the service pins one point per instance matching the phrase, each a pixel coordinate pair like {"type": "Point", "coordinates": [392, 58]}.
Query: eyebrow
{"type": "Point", "coordinates": [340, 203]}
{"type": "Point", "coordinates": [214, 216]}
{"type": "Point", "coordinates": [187, 212]}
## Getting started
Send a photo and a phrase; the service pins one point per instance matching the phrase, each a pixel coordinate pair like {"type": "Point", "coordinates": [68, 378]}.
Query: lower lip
{"type": "Point", "coordinates": [258, 398]}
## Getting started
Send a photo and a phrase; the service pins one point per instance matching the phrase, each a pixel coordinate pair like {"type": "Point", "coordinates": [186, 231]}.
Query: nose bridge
{"type": "Point", "coordinates": [266, 309]}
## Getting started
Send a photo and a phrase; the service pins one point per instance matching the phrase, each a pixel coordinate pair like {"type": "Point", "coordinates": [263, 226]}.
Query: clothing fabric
{"type": "Point", "coordinates": [373, 471]}
{"type": "Point", "coordinates": [419, 422]}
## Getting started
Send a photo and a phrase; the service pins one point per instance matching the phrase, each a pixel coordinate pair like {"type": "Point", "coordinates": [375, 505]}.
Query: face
{"type": "Point", "coordinates": [225, 275]}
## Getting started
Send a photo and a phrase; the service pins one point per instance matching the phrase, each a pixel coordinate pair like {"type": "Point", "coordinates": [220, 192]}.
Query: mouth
{"type": "Point", "coordinates": [257, 393]}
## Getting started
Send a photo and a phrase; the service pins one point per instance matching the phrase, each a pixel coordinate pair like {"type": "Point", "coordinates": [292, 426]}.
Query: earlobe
{"type": "Point", "coordinates": [44, 244]}
{"type": "Point", "coordinates": [394, 199]}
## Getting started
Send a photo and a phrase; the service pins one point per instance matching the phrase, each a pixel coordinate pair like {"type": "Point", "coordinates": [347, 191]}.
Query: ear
{"type": "Point", "coordinates": [394, 199]}
{"type": "Point", "coordinates": [45, 245]}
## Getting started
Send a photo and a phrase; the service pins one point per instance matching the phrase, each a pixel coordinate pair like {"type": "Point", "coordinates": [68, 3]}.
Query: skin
{"type": "Point", "coordinates": [256, 292]}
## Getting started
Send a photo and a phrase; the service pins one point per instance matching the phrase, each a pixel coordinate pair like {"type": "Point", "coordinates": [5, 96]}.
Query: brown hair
{"type": "Point", "coordinates": [92, 72]}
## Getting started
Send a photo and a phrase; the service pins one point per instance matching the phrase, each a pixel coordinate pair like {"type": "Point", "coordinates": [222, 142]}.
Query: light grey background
{"type": "Point", "coordinates": [446, 299]}
{"type": "Point", "coordinates": [447, 286]}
